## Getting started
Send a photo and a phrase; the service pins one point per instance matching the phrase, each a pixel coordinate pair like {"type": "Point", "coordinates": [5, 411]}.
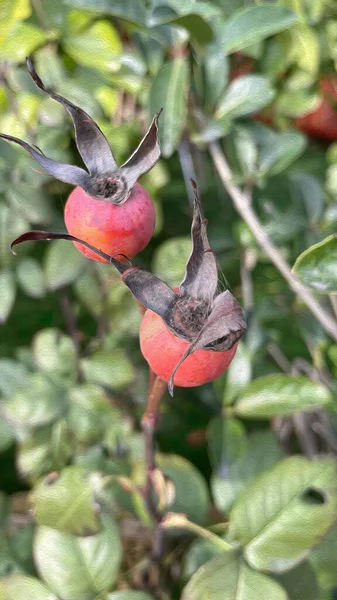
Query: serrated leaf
{"type": "Point", "coordinates": [110, 369]}
{"type": "Point", "coordinates": [249, 25]}
{"type": "Point", "coordinates": [285, 512]}
{"type": "Point", "coordinates": [17, 587]}
{"type": "Point", "coordinates": [262, 452]}
{"type": "Point", "coordinates": [274, 395]}
{"type": "Point", "coordinates": [78, 568]}
{"type": "Point", "coordinates": [63, 264]}
{"type": "Point", "coordinates": [226, 577]}
{"type": "Point", "coordinates": [7, 294]}
{"type": "Point", "coordinates": [31, 278]}
{"type": "Point", "coordinates": [66, 502]}
{"type": "Point", "coordinates": [317, 266]}
{"type": "Point", "coordinates": [245, 95]}
{"type": "Point", "coordinates": [169, 91]}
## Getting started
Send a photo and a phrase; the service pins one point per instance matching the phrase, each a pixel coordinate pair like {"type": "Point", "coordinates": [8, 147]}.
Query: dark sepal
{"type": "Point", "coordinates": [91, 142]}
{"type": "Point", "coordinates": [225, 325]}
{"type": "Point", "coordinates": [147, 288]}
{"type": "Point", "coordinates": [67, 173]}
{"type": "Point", "coordinates": [201, 275]}
{"type": "Point", "coordinates": [144, 157]}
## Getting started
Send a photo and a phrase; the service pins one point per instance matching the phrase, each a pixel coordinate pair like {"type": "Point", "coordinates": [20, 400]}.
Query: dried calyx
{"type": "Point", "coordinates": [103, 180]}
{"type": "Point", "coordinates": [196, 313]}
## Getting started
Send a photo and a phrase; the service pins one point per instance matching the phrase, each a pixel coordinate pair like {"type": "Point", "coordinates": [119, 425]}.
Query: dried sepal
{"type": "Point", "coordinates": [91, 143]}
{"type": "Point", "coordinates": [105, 181]}
{"type": "Point", "coordinates": [201, 275]}
{"type": "Point", "coordinates": [223, 328]}
{"type": "Point", "coordinates": [67, 173]}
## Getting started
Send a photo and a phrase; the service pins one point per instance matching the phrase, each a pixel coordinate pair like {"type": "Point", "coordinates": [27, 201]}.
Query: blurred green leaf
{"type": "Point", "coordinates": [91, 413]}
{"type": "Point", "coordinates": [66, 502]}
{"type": "Point", "coordinates": [111, 369]}
{"type": "Point", "coordinates": [38, 403]}
{"type": "Point", "coordinates": [239, 373]}
{"type": "Point", "coordinates": [296, 103]}
{"type": "Point", "coordinates": [245, 95]}
{"type": "Point", "coordinates": [6, 435]}
{"type": "Point", "coordinates": [300, 583]}
{"type": "Point", "coordinates": [44, 450]}
{"type": "Point", "coordinates": [63, 264]}
{"type": "Point", "coordinates": [31, 278]}
{"type": "Point", "coordinates": [7, 294]}
{"type": "Point", "coordinates": [323, 559]}
{"type": "Point", "coordinates": [13, 375]}
{"type": "Point", "coordinates": [199, 552]}
{"type": "Point", "coordinates": [191, 494]}
{"type": "Point", "coordinates": [16, 587]}
{"type": "Point", "coordinates": [285, 512]}
{"type": "Point", "coordinates": [78, 568]}
{"type": "Point", "coordinates": [98, 47]}
{"type": "Point", "coordinates": [169, 91]}
{"type": "Point", "coordinates": [316, 266]}
{"type": "Point", "coordinates": [227, 442]}
{"type": "Point", "coordinates": [124, 9]}
{"type": "Point", "coordinates": [226, 577]}
{"type": "Point", "coordinates": [250, 25]}
{"type": "Point", "coordinates": [128, 595]}
{"type": "Point", "coordinates": [282, 150]}
{"type": "Point", "coordinates": [54, 352]}
{"type": "Point", "coordinates": [262, 452]}
{"type": "Point", "coordinates": [24, 38]}
{"type": "Point", "coordinates": [169, 260]}
{"type": "Point", "coordinates": [21, 546]}
{"type": "Point", "coordinates": [216, 68]}
{"type": "Point", "coordinates": [273, 395]}
{"type": "Point", "coordinates": [198, 27]}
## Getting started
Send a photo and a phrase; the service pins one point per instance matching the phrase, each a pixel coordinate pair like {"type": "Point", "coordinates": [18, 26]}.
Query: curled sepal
{"type": "Point", "coordinates": [91, 143]}
{"type": "Point", "coordinates": [150, 291]}
{"type": "Point", "coordinates": [144, 157]}
{"type": "Point", "coordinates": [63, 172]}
{"type": "Point", "coordinates": [201, 275]}
{"type": "Point", "coordinates": [225, 325]}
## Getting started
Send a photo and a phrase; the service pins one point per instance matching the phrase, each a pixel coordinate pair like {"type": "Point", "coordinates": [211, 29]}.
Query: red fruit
{"type": "Point", "coordinates": [322, 122]}
{"type": "Point", "coordinates": [163, 350]}
{"type": "Point", "coordinates": [115, 229]}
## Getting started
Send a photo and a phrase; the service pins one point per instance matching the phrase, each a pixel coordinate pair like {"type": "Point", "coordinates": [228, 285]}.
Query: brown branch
{"type": "Point", "coordinates": [245, 210]}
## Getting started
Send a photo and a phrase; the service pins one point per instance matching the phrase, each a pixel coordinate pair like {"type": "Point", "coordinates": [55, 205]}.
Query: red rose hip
{"type": "Point", "coordinates": [115, 229]}
{"type": "Point", "coordinates": [163, 350]}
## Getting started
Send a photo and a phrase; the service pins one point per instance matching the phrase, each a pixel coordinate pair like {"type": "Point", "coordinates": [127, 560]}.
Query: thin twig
{"type": "Point", "coordinates": [244, 208]}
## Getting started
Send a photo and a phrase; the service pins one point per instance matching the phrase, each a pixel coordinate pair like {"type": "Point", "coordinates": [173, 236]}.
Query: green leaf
{"type": "Point", "coordinates": [7, 294]}
{"type": "Point", "coordinates": [262, 452]}
{"type": "Point", "coordinates": [17, 587]}
{"type": "Point", "coordinates": [274, 395]}
{"type": "Point", "coordinates": [38, 403]}
{"type": "Point", "coordinates": [66, 502]}
{"type": "Point", "coordinates": [12, 224]}
{"type": "Point", "coordinates": [239, 373]}
{"type": "Point", "coordinates": [6, 435]}
{"type": "Point", "coordinates": [63, 264]}
{"type": "Point", "coordinates": [24, 38]}
{"type": "Point", "coordinates": [128, 595]}
{"type": "Point", "coordinates": [13, 375]}
{"type": "Point", "coordinates": [11, 13]}
{"type": "Point", "coordinates": [300, 583]}
{"type": "Point", "coordinates": [199, 552]}
{"type": "Point", "coordinates": [127, 10]}
{"type": "Point", "coordinates": [91, 413]}
{"type": "Point", "coordinates": [170, 258]}
{"type": "Point", "coordinates": [78, 568]}
{"type": "Point", "coordinates": [54, 352]}
{"type": "Point", "coordinates": [281, 150]}
{"type": "Point", "coordinates": [323, 559]}
{"type": "Point", "coordinates": [111, 369]}
{"type": "Point", "coordinates": [198, 27]}
{"type": "Point", "coordinates": [250, 25]}
{"type": "Point", "coordinates": [245, 95]}
{"type": "Point", "coordinates": [227, 442]}
{"type": "Point", "coordinates": [169, 91]}
{"type": "Point", "coordinates": [98, 47]}
{"type": "Point", "coordinates": [316, 266]}
{"type": "Point", "coordinates": [31, 278]}
{"type": "Point", "coordinates": [191, 494]}
{"type": "Point", "coordinates": [44, 450]}
{"type": "Point", "coordinates": [226, 577]}
{"type": "Point", "coordinates": [307, 48]}
{"type": "Point", "coordinates": [216, 69]}
{"type": "Point", "coordinates": [285, 512]}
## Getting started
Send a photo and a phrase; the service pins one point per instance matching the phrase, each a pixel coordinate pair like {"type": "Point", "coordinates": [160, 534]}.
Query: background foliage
{"type": "Point", "coordinates": [246, 470]}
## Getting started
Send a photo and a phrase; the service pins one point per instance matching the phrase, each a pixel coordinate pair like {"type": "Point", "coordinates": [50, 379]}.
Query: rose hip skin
{"type": "Point", "coordinates": [162, 350]}
{"type": "Point", "coordinates": [115, 229]}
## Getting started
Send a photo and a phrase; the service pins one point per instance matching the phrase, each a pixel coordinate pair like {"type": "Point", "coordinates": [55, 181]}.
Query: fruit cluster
{"type": "Point", "coordinates": [188, 335]}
